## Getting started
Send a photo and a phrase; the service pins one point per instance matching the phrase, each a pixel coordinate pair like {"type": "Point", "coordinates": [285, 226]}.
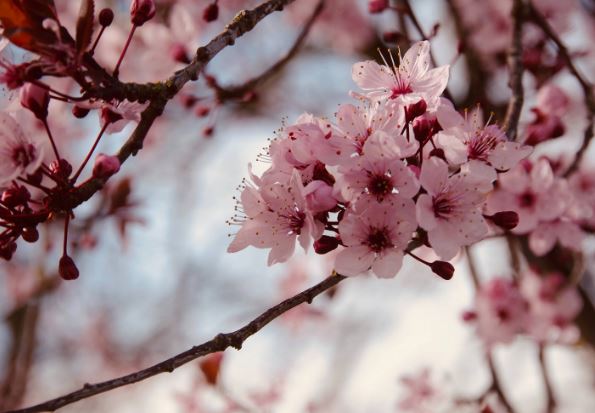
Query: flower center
{"type": "Point", "coordinates": [380, 186]}
{"type": "Point", "coordinates": [378, 239]}
{"type": "Point", "coordinates": [296, 222]}
{"type": "Point", "coordinates": [527, 199]}
{"type": "Point", "coordinates": [442, 207]}
{"type": "Point", "coordinates": [23, 155]}
{"type": "Point", "coordinates": [481, 145]}
{"type": "Point", "coordinates": [401, 87]}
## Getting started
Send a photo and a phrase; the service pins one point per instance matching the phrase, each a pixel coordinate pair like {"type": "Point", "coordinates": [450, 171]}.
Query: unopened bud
{"type": "Point", "coordinates": [61, 169]}
{"type": "Point", "coordinates": [36, 99]}
{"type": "Point", "coordinates": [202, 111]}
{"type": "Point", "coordinates": [7, 250]}
{"type": "Point", "coordinates": [106, 17]}
{"type": "Point", "coordinates": [506, 219]}
{"type": "Point", "coordinates": [105, 166]}
{"type": "Point", "coordinates": [415, 110]}
{"type": "Point", "coordinates": [469, 316]}
{"type": "Point", "coordinates": [424, 128]}
{"type": "Point", "coordinates": [141, 11]}
{"type": "Point", "coordinates": [377, 6]}
{"type": "Point", "coordinates": [30, 234]}
{"type": "Point", "coordinates": [211, 12]}
{"type": "Point", "coordinates": [16, 196]}
{"type": "Point", "coordinates": [438, 153]}
{"type": "Point", "coordinates": [443, 269]}
{"type": "Point", "coordinates": [67, 268]}
{"type": "Point", "coordinates": [109, 116]}
{"type": "Point", "coordinates": [392, 37]}
{"type": "Point", "coordinates": [79, 112]}
{"type": "Point", "coordinates": [179, 54]}
{"type": "Point", "coordinates": [325, 244]}
{"type": "Point", "coordinates": [210, 367]}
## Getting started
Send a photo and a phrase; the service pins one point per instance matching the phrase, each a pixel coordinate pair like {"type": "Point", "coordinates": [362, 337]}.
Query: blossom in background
{"type": "Point", "coordinates": [19, 154]}
{"type": "Point", "coordinates": [552, 104]}
{"type": "Point", "coordinates": [409, 82]}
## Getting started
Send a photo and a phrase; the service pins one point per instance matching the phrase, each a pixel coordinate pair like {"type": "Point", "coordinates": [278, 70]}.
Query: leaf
{"type": "Point", "coordinates": [22, 21]}
{"type": "Point", "coordinates": [84, 25]}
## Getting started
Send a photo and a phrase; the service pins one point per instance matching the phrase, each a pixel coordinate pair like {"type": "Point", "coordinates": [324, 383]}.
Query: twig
{"type": "Point", "coordinates": [515, 66]}
{"type": "Point", "coordinates": [239, 91]}
{"type": "Point", "coordinates": [544, 25]}
{"type": "Point", "coordinates": [218, 343]}
{"type": "Point", "coordinates": [496, 385]}
{"type": "Point", "coordinates": [160, 93]}
{"type": "Point", "coordinates": [551, 399]}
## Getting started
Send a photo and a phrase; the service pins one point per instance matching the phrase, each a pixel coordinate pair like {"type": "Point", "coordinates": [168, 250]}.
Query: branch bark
{"type": "Point", "coordinates": [515, 66]}
{"type": "Point", "coordinates": [220, 342]}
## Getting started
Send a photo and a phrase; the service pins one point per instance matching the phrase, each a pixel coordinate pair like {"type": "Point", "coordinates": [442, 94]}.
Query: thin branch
{"type": "Point", "coordinates": [551, 399]}
{"type": "Point", "coordinates": [515, 66]}
{"type": "Point", "coordinates": [218, 343]}
{"type": "Point", "coordinates": [239, 91]}
{"type": "Point", "coordinates": [544, 25]}
{"type": "Point", "coordinates": [160, 93]}
{"type": "Point", "coordinates": [496, 386]}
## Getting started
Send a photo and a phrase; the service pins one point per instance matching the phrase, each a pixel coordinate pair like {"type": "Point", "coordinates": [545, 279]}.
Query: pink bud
{"type": "Point", "coordinates": [67, 268]}
{"type": "Point", "coordinates": [211, 12]}
{"type": "Point", "coordinates": [325, 244]}
{"type": "Point", "coordinates": [377, 6]}
{"type": "Point", "coordinates": [443, 269]}
{"type": "Point", "coordinates": [319, 196]}
{"type": "Point", "coordinates": [36, 99]}
{"type": "Point", "coordinates": [415, 110]}
{"type": "Point", "coordinates": [179, 53]}
{"type": "Point", "coordinates": [105, 166]}
{"type": "Point", "coordinates": [141, 11]}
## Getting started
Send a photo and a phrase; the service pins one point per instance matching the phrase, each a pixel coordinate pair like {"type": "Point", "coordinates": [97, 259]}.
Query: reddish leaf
{"type": "Point", "coordinates": [84, 25]}
{"type": "Point", "coordinates": [22, 21]}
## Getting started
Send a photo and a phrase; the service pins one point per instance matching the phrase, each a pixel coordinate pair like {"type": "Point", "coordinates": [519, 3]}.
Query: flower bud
{"type": "Point", "coordinates": [425, 127]}
{"type": "Point", "coordinates": [79, 112]}
{"type": "Point", "coordinates": [7, 250]}
{"type": "Point", "coordinates": [325, 244]}
{"type": "Point", "coordinates": [439, 153]}
{"type": "Point", "coordinates": [415, 110]}
{"type": "Point", "coordinates": [67, 268]}
{"type": "Point", "coordinates": [319, 196]}
{"type": "Point", "coordinates": [109, 116]}
{"type": "Point", "coordinates": [36, 99]}
{"type": "Point", "coordinates": [392, 37]}
{"type": "Point", "coordinates": [443, 269]}
{"type": "Point", "coordinates": [61, 169]}
{"type": "Point", "coordinates": [377, 6]}
{"type": "Point", "coordinates": [505, 219]}
{"type": "Point", "coordinates": [179, 54]}
{"type": "Point", "coordinates": [106, 17]}
{"type": "Point", "coordinates": [211, 12]}
{"type": "Point", "coordinates": [141, 11]}
{"type": "Point", "coordinates": [16, 196]}
{"type": "Point", "coordinates": [30, 234]}
{"type": "Point", "coordinates": [105, 166]}
{"type": "Point", "coordinates": [211, 366]}
{"type": "Point", "coordinates": [469, 316]}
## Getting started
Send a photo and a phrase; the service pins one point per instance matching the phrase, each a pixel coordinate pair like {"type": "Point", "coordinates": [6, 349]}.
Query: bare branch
{"type": "Point", "coordinates": [239, 91]}
{"type": "Point", "coordinates": [515, 66]}
{"type": "Point", "coordinates": [218, 343]}
{"type": "Point", "coordinates": [541, 21]}
{"type": "Point", "coordinates": [549, 391]}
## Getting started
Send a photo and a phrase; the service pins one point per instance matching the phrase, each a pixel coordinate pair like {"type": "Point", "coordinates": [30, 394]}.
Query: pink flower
{"type": "Point", "coordinates": [275, 216]}
{"type": "Point", "coordinates": [421, 394]}
{"type": "Point", "coordinates": [19, 154]}
{"type": "Point", "coordinates": [552, 104]}
{"type": "Point", "coordinates": [500, 311]}
{"type": "Point", "coordinates": [533, 192]}
{"type": "Point", "coordinates": [553, 307]}
{"type": "Point", "coordinates": [376, 239]}
{"type": "Point", "coordinates": [467, 139]}
{"type": "Point", "coordinates": [378, 174]}
{"type": "Point", "coordinates": [566, 233]}
{"type": "Point", "coordinates": [411, 81]}
{"type": "Point", "coordinates": [450, 210]}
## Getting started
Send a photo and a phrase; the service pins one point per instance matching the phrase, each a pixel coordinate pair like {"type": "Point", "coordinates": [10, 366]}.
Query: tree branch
{"type": "Point", "coordinates": [515, 66]}
{"type": "Point", "coordinates": [218, 343]}
{"type": "Point", "coordinates": [551, 399]}
{"type": "Point", "coordinates": [544, 25]}
{"type": "Point", "coordinates": [239, 91]}
{"type": "Point", "coordinates": [160, 93]}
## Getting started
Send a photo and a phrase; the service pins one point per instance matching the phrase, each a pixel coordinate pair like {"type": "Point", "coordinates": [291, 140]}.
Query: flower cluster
{"type": "Point", "coordinates": [400, 170]}
{"type": "Point", "coordinates": [542, 306]}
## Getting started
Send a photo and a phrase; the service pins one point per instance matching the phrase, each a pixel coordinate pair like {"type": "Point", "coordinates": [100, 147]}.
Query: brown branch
{"type": "Point", "coordinates": [160, 93]}
{"type": "Point", "coordinates": [496, 386]}
{"type": "Point", "coordinates": [544, 25]}
{"type": "Point", "coordinates": [218, 343]}
{"type": "Point", "coordinates": [515, 66]}
{"type": "Point", "coordinates": [551, 399]}
{"type": "Point", "coordinates": [239, 91]}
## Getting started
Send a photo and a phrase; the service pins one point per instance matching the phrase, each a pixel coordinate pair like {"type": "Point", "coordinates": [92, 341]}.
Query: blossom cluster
{"type": "Point", "coordinates": [542, 306]}
{"type": "Point", "coordinates": [401, 169]}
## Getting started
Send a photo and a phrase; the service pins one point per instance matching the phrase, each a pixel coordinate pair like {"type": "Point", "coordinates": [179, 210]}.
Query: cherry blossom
{"type": "Point", "coordinates": [376, 239]}
{"type": "Point", "coordinates": [19, 155]}
{"type": "Point", "coordinates": [450, 210]}
{"type": "Point", "coordinates": [409, 82]}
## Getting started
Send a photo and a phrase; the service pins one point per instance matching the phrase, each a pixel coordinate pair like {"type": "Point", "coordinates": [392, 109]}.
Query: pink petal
{"type": "Point", "coordinates": [388, 264]}
{"type": "Point", "coordinates": [354, 260]}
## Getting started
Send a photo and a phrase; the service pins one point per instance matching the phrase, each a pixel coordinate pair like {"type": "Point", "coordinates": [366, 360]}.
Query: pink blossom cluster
{"type": "Point", "coordinates": [542, 306]}
{"type": "Point", "coordinates": [400, 170]}
{"type": "Point", "coordinates": [552, 209]}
